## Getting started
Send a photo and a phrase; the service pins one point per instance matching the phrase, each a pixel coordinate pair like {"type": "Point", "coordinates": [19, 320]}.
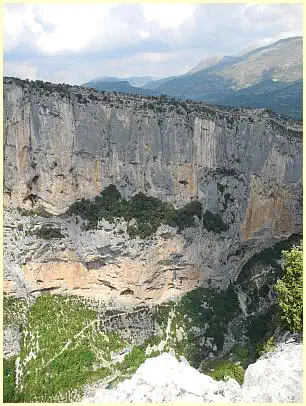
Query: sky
{"type": "Point", "coordinates": [74, 43]}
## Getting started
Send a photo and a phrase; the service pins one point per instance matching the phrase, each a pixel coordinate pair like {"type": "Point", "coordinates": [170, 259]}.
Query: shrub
{"type": "Point", "coordinates": [219, 369]}
{"type": "Point", "coordinates": [290, 290]}
{"type": "Point", "coordinates": [134, 359]}
{"type": "Point", "coordinates": [267, 346]}
{"type": "Point", "coordinates": [111, 194]}
{"type": "Point", "coordinates": [47, 232]}
{"type": "Point", "coordinates": [181, 220]}
{"type": "Point", "coordinates": [14, 311]}
{"type": "Point", "coordinates": [262, 325]}
{"type": "Point", "coordinates": [132, 231]}
{"type": "Point", "coordinates": [184, 217]}
{"type": "Point", "coordinates": [38, 211]}
{"type": "Point", "coordinates": [214, 222]}
{"type": "Point", "coordinates": [193, 208]}
{"type": "Point", "coordinates": [207, 309]}
{"type": "Point", "coordinates": [244, 354]}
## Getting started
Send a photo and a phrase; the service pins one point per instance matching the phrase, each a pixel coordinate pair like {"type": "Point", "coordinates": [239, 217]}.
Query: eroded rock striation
{"type": "Point", "coordinates": [103, 263]}
{"type": "Point", "coordinates": [63, 143]}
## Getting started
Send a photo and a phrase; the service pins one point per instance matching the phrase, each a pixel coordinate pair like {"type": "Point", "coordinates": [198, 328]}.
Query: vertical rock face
{"type": "Point", "coordinates": [64, 143]}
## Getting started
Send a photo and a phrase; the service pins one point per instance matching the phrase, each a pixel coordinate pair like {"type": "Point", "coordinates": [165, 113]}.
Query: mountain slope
{"type": "Point", "coordinates": [267, 77]}
{"type": "Point", "coordinates": [132, 84]}
{"type": "Point", "coordinates": [120, 86]}
{"type": "Point", "coordinates": [154, 84]}
{"type": "Point", "coordinates": [206, 63]}
{"type": "Point", "coordinates": [138, 81]}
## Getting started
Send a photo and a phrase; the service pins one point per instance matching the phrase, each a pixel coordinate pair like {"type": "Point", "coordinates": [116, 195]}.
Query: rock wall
{"type": "Point", "coordinates": [102, 263]}
{"type": "Point", "coordinates": [62, 143]}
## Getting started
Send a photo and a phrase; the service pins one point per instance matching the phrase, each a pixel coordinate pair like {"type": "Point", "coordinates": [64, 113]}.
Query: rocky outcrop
{"type": "Point", "coordinates": [11, 341]}
{"type": "Point", "coordinates": [277, 377]}
{"type": "Point", "coordinates": [63, 143]}
{"type": "Point", "coordinates": [165, 379]}
{"type": "Point", "coordinates": [102, 264]}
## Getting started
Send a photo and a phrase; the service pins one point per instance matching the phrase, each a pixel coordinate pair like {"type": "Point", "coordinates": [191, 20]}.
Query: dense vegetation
{"type": "Point", "coordinates": [149, 213]}
{"type": "Point", "coordinates": [257, 284]}
{"type": "Point", "coordinates": [10, 392]}
{"type": "Point", "coordinates": [39, 211]}
{"type": "Point", "coordinates": [203, 312]}
{"type": "Point", "coordinates": [233, 364]}
{"type": "Point", "coordinates": [290, 290]}
{"type": "Point", "coordinates": [69, 350]}
{"type": "Point", "coordinates": [133, 360]}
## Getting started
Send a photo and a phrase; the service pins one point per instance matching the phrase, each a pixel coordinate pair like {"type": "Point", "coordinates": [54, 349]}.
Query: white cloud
{"type": "Point", "coordinates": [168, 15]}
{"type": "Point", "coordinates": [17, 22]}
{"type": "Point", "coordinates": [144, 34]}
{"type": "Point", "coordinates": [72, 31]}
{"type": "Point", "coordinates": [74, 27]}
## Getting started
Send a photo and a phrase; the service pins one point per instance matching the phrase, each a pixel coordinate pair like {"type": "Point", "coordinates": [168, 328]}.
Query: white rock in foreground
{"type": "Point", "coordinates": [278, 377]}
{"type": "Point", "coordinates": [165, 379]}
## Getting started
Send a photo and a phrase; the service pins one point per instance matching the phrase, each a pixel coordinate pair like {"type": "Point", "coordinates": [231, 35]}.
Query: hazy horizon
{"type": "Point", "coordinates": [75, 43]}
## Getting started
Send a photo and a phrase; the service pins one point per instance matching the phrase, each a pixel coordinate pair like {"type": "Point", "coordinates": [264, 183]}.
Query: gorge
{"type": "Point", "coordinates": [200, 286]}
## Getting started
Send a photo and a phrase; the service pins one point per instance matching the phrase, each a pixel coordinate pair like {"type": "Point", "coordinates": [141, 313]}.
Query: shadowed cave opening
{"type": "Point", "coordinates": [127, 292]}
{"type": "Point", "coordinates": [33, 199]}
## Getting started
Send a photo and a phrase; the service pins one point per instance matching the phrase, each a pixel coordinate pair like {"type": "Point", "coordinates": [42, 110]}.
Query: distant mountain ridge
{"type": "Point", "coordinates": [266, 77]}
{"type": "Point", "coordinates": [122, 86]}
{"type": "Point", "coordinates": [137, 81]}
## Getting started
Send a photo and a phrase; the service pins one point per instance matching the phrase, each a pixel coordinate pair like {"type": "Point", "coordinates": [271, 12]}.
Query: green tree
{"type": "Point", "coordinates": [290, 290]}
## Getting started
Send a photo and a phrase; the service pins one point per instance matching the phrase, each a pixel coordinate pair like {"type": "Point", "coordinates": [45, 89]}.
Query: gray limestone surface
{"type": "Point", "coordinates": [63, 143]}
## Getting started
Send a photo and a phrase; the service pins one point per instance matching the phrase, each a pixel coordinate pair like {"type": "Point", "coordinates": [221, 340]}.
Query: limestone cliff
{"type": "Point", "coordinates": [63, 143]}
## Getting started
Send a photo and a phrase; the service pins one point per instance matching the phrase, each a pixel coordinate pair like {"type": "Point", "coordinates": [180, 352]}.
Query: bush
{"type": "Point", "coordinates": [38, 211]}
{"type": "Point", "coordinates": [290, 290]}
{"type": "Point", "coordinates": [240, 353]}
{"type": "Point", "coordinates": [184, 217]}
{"type": "Point", "coordinates": [245, 354]}
{"type": "Point", "coordinates": [181, 220]}
{"type": "Point", "coordinates": [134, 359]}
{"type": "Point", "coordinates": [14, 311]}
{"type": "Point", "coordinates": [47, 232]}
{"type": "Point", "coordinates": [267, 346]}
{"type": "Point", "coordinates": [213, 222]}
{"type": "Point", "coordinates": [111, 194]}
{"type": "Point", "coordinates": [220, 369]}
